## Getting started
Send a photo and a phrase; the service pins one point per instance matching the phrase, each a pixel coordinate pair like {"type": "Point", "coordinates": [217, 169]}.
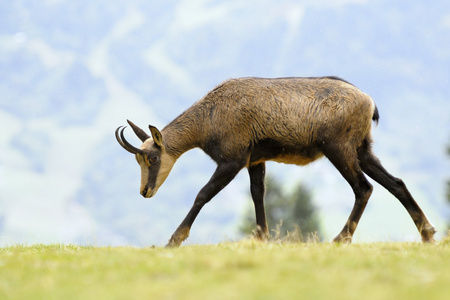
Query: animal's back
{"type": "Point", "coordinates": [287, 105]}
{"type": "Point", "coordinates": [289, 113]}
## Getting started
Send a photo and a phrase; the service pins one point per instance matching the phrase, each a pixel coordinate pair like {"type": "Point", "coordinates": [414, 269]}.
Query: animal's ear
{"type": "Point", "coordinates": [157, 137]}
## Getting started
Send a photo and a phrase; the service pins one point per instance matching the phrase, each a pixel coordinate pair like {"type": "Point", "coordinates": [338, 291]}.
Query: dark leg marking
{"type": "Point", "coordinates": [371, 165]}
{"type": "Point", "coordinates": [224, 173]}
{"type": "Point", "coordinates": [257, 189]}
{"type": "Point", "coordinates": [345, 160]}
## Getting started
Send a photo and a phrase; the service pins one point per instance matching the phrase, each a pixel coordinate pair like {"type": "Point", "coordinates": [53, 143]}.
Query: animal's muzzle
{"type": "Point", "coordinates": [148, 193]}
{"type": "Point", "coordinates": [144, 191]}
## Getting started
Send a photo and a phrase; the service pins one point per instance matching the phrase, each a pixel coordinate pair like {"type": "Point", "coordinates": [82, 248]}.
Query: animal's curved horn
{"type": "Point", "coordinates": [124, 143]}
{"type": "Point", "coordinates": [139, 132]}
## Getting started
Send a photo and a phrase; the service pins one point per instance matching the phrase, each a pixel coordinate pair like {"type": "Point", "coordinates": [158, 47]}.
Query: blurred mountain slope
{"type": "Point", "coordinates": [71, 72]}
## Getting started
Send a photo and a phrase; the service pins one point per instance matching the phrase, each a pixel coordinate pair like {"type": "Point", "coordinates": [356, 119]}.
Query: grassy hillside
{"type": "Point", "coordinates": [241, 270]}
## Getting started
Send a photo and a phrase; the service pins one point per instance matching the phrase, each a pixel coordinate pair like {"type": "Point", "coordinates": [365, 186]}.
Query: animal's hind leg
{"type": "Point", "coordinates": [345, 160]}
{"type": "Point", "coordinates": [257, 174]}
{"type": "Point", "coordinates": [371, 165]}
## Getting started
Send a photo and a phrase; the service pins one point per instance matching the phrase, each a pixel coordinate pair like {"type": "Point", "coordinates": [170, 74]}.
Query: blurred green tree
{"type": "Point", "coordinates": [290, 216]}
{"type": "Point", "coordinates": [448, 194]}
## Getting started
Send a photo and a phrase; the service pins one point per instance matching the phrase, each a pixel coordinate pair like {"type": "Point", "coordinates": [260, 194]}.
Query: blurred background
{"type": "Point", "coordinates": [71, 72]}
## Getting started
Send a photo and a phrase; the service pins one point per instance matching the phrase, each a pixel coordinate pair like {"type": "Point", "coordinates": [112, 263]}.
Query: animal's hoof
{"type": "Point", "coordinates": [428, 234]}
{"type": "Point", "coordinates": [260, 234]}
{"type": "Point", "coordinates": [343, 239]}
{"type": "Point", "coordinates": [178, 237]}
{"type": "Point", "coordinates": [172, 244]}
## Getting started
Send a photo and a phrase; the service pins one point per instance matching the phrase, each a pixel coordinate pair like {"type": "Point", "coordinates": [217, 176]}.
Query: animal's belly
{"type": "Point", "coordinates": [295, 159]}
{"type": "Point", "coordinates": [288, 153]}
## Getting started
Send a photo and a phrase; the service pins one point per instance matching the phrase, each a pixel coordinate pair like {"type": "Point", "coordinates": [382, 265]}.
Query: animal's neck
{"type": "Point", "coordinates": [182, 134]}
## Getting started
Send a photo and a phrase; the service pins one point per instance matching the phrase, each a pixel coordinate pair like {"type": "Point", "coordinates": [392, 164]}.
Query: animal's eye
{"type": "Point", "coordinates": [153, 159]}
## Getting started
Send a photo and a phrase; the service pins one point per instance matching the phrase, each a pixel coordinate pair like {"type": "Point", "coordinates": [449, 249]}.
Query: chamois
{"type": "Point", "coordinates": [247, 121]}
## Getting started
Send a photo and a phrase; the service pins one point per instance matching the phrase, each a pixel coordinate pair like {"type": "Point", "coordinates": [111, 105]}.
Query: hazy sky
{"type": "Point", "coordinates": [72, 71]}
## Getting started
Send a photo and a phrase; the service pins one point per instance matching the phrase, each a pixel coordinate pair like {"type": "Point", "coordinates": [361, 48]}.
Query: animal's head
{"type": "Point", "coordinates": [152, 157]}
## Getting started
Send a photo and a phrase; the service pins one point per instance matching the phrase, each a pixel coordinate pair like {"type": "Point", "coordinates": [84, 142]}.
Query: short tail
{"type": "Point", "coordinates": [376, 115]}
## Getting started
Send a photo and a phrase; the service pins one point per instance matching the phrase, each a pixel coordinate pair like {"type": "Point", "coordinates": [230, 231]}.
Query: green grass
{"type": "Point", "coordinates": [241, 270]}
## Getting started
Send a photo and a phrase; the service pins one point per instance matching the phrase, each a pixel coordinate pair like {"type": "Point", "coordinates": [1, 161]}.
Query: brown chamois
{"type": "Point", "coordinates": [245, 122]}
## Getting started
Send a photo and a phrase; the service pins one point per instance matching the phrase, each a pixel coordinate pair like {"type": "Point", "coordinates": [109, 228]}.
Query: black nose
{"type": "Point", "coordinates": [144, 191]}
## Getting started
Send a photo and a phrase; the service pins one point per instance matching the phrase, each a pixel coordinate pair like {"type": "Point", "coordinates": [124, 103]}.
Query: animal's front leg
{"type": "Point", "coordinates": [224, 173]}
{"type": "Point", "coordinates": [257, 174]}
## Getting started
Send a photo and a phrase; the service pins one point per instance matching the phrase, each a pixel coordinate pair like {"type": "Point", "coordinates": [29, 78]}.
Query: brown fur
{"type": "Point", "coordinates": [245, 122]}
{"type": "Point", "coordinates": [300, 114]}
